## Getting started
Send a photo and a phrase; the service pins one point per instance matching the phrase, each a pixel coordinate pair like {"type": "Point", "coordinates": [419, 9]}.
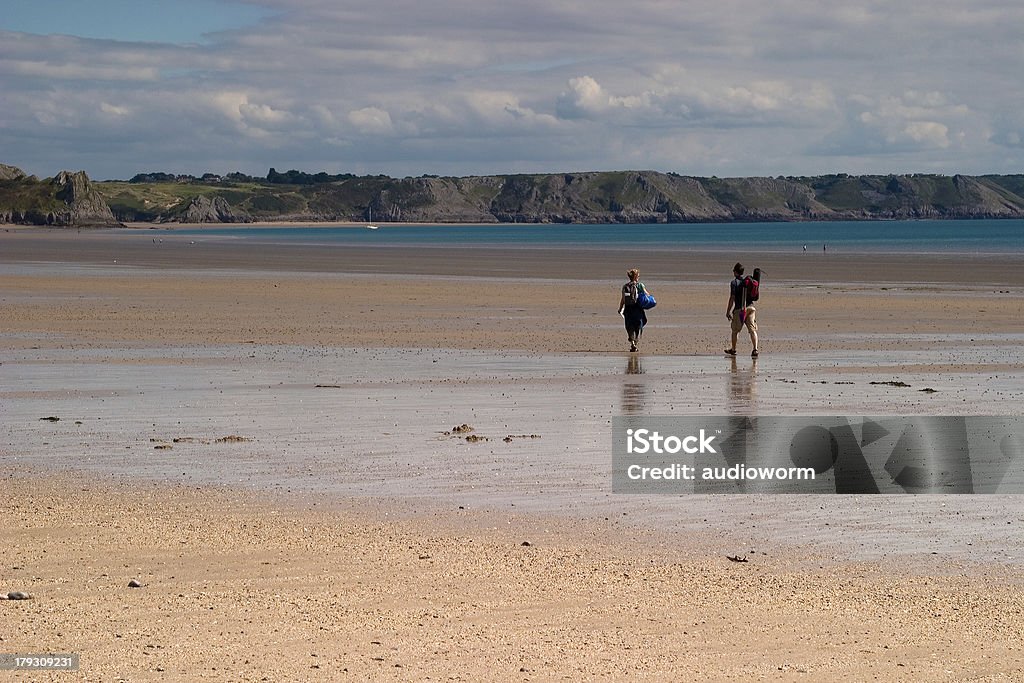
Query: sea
{"type": "Point", "coordinates": [981, 236]}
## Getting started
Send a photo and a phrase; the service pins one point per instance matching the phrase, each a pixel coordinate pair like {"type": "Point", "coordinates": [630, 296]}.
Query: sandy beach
{"type": "Point", "coordinates": [184, 292]}
{"type": "Point", "coordinates": [235, 589]}
{"type": "Point", "coordinates": [263, 439]}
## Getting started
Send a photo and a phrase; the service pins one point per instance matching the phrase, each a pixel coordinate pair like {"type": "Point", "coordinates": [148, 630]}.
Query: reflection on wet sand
{"type": "Point", "coordinates": [634, 393]}
{"type": "Point", "coordinates": [742, 397]}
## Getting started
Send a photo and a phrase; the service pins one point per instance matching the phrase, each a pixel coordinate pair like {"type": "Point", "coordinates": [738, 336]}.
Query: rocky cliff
{"type": "Point", "coordinates": [68, 199]}
{"type": "Point", "coordinates": [204, 209]}
{"type": "Point", "coordinates": [10, 172]}
{"type": "Point", "coordinates": [589, 197]}
{"type": "Point", "coordinates": [82, 204]}
{"type": "Point", "coordinates": [650, 197]}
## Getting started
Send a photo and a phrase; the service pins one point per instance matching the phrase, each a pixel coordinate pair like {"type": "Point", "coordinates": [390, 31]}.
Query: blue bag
{"type": "Point", "coordinates": [646, 301]}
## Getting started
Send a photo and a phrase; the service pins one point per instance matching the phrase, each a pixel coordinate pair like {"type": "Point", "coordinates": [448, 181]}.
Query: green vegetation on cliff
{"type": "Point", "coordinates": [590, 197]}
{"type": "Point", "coordinates": [68, 199]}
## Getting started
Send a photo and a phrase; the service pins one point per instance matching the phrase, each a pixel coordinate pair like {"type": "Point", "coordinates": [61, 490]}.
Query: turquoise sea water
{"type": "Point", "coordinates": [947, 236]}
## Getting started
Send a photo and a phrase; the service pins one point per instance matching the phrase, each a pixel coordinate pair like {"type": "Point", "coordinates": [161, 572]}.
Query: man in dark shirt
{"type": "Point", "coordinates": [740, 311]}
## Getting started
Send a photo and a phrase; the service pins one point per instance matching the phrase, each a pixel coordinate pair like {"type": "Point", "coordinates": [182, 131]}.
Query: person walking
{"type": "Point", "coordinates": [740, 311]}
{"type": "Point", "coordinates": [630, 309]}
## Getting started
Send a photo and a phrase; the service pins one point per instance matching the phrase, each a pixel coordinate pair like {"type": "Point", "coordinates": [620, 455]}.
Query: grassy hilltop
{"type": "Point", "coordinates": [589, 197]}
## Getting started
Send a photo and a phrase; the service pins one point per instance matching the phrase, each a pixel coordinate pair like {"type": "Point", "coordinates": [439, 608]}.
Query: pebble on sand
{"type": "Point", "coordinates": [16, 595]}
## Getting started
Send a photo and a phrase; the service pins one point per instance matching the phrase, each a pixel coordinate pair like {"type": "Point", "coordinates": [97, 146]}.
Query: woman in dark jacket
{"type": "Point", "coordinates": [630, 310]}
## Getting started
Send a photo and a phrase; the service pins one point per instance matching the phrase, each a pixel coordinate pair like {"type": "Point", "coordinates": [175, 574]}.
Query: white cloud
{"type": "Point", "coordinates": [406, 87]}
{"type": "Point", "coordinates": [228, 104]}
{"type": "Point", "coordinates": [114, 110]}
{"type": "Point", "coordinates": [911, 122]}
{"type": "Point", "coordinates": [371, 120]}
{"type": "Point", "coordinates": [264, 116]}
{"type": "Point", "coordinates": [685, 101]}
{"type": "Point", "coordinates": [586, 98]}
{"type": "Point", "coordinates": [927, 133]}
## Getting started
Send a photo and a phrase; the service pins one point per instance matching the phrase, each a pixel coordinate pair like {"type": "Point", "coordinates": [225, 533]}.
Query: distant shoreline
{"type": "Point", "coordinates": [602, 197]}
{"type": "Point", "coordinates": [175, 225]}
{"type": "Point", "coordinates": [278, 224]}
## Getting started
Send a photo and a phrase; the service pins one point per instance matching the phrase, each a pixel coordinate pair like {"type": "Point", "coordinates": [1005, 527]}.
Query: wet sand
{"type": "Point", "coordinates": [330, 376]}
{"type": "Point", "coordinates": [125, 288]}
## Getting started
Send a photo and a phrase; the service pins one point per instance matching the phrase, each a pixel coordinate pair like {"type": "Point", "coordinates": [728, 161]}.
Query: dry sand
{"type": "Point", "coordinates": [243, 585]}
{"type": "Point", "coordinates": [236, 589]}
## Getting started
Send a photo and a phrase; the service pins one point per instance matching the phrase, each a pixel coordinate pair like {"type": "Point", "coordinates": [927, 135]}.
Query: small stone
{"type": "Point", "coordinates": [526, 544]}
{"type": "Point", "coordinates": [18, 595]}
{"type": "Point", "coordinates": [134, 583]}
{"type": "Point", "coordinates": [233, 438]}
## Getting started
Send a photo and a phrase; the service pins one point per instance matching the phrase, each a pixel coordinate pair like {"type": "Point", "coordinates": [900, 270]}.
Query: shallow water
{"type": "Point", "coordinates": [1002, 236]}
{"type": "Point", "coordinates": [378, 423]}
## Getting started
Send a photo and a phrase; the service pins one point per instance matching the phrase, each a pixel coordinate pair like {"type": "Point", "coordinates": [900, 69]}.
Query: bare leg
{"type": "Point", "coordinates": [752, 328]}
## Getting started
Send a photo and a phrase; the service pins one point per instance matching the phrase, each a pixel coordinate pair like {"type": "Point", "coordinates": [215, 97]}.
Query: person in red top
{"type": "Point", "coordinates": [740, 312]}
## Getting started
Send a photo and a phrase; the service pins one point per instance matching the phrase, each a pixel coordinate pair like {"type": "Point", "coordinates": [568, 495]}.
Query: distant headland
{"type": "Point", "coordinates": [71, 199]}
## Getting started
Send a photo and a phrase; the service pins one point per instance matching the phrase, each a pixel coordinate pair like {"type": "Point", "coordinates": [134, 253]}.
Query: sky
{"type": "Point", "coordinates": [452, 87]}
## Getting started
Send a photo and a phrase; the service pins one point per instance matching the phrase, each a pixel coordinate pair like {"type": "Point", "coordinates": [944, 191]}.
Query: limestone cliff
{"type": "Point", "coordinates": [585, 197]}
{"type": "Point", "coordinates": [67, 200]}
{"type": "Point", "coordinates": [206, 209]}
{"type": "Point", "coordinates": [10, 172]}
{"type": "Point", "coordinates": [83, 205]}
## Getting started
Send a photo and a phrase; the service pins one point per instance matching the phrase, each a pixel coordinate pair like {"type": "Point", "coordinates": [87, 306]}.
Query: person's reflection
{"type": "Point", "coordinates": [634, 393]}
{"type": "Point", "coordinates": [742, 386]}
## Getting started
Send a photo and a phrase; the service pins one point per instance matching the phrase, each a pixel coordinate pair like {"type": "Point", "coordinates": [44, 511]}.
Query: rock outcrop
{"type": "Point", "coordinates": [66, 200]}
{"type": "Point", "coordinates": [83, 205]}
{"type": "Point", "coordinates": [206, 209]}
{"type": "Point", "coordinates": [11, 172]}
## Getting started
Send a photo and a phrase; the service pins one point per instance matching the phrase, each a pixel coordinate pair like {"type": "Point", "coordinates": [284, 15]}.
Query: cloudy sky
{"type": "Point", "coordinates": [460, 87]}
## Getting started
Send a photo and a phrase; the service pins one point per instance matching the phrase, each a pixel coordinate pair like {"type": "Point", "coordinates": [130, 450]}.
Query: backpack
{"type": "Point", "coordinates": [631, 293]}
{"type": "Point", "coordinates": [752, 286]}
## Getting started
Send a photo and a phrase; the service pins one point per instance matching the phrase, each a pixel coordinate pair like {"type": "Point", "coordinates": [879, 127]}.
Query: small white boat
{"type": "Point", "coordinates": [370, 225]}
